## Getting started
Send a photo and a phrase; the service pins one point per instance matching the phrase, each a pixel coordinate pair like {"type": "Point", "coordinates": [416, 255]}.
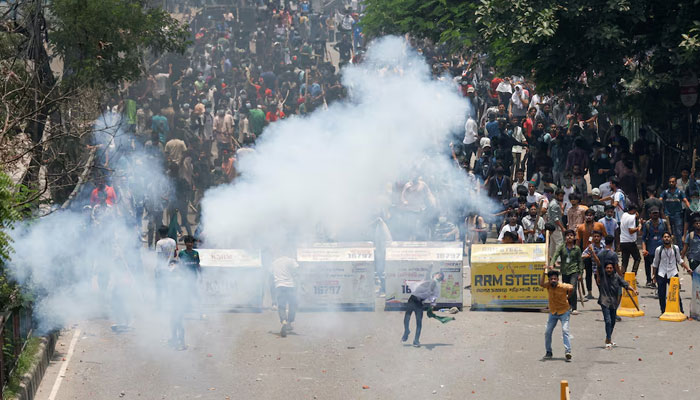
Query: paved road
{"type": "Point", "coordinates": [481, 355]}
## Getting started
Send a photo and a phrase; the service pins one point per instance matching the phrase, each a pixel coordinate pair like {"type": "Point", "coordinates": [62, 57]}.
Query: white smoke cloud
{"type": "Point", "coordinates": [329, 172]}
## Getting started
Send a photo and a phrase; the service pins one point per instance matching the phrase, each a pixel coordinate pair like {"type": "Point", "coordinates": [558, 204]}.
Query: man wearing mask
{"type": "Point", "coordinates": [674, 199]}
{"type": "Point", "coordinates": [424, 292]}
{"type": "Point", "coordinates": [558, 294]}
{"type": "Point", "coordinates": [652, 231]}
{"type": "Point", "coordinates": [667, 258]}
{"type": "Point", "coordinates": [571, 264]}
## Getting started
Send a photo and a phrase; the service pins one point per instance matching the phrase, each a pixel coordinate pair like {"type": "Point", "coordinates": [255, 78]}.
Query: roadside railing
{"type": "Point", "coordinates": [15, 330]}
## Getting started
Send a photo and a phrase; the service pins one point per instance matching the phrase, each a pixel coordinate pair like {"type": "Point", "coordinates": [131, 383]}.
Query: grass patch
{"type": "Point", "coordinates": [26, 360]}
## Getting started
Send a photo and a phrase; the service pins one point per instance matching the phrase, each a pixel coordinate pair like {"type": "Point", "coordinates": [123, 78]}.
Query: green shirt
{"type": "Point", "coordinates": [190, 260]}
{"type": "Point", "coordinates": [257, 121]}
{"type": "Point", "coordinates": [571, 261]}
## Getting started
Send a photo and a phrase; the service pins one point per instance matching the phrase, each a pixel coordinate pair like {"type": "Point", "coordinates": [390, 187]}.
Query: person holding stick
{"type": "Point", "coordinates": [609, 285]}
{"type": "Point", "coordinates": [571, 264]}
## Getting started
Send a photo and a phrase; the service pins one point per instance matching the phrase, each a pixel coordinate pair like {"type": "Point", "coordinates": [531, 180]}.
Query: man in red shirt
{"type": "Point", "coordinates": [103, 194]}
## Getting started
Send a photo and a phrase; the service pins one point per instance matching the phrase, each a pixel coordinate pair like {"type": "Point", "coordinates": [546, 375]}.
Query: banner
{"type": "Point", "coordinates": [408, 263]}
{"type": "Point", "coordinates": [231, 278]}
{"type": "Point", "coordinates": [336, 275]}
{"type": "Point", "coordinates": [507, 276]}
{"type": "Point", "coordinates": [695, 296]}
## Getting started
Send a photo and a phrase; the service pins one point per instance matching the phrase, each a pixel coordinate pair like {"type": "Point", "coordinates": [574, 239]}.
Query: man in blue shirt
{"type": "Point", "coordinates": [673, 200]}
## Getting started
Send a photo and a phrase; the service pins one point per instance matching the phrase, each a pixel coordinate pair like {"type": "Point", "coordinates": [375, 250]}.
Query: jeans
{"type": "Point", "coordinates": [609, 315]}
{"type": "Point", "coordinates": [661, 284]}
{"type": "Point", "coordinates": [627, 250]}
{"type": "Point", "coordinates": [588, 264]}
{"type": "Point", "coordinates": [286, 296]}
{"type": "Point", "coordinates": [677, 228]}
{"type": "Point", "coordinates": [551, 323]}
{"type": "Point", "coordinates": [573, 280]}
{"type": "Point", "coordinates": [648, 262]}
{"type": "Point", "coordinates": [414, 305]}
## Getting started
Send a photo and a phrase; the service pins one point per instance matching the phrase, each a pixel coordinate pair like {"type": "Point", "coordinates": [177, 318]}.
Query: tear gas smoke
{"type": "Point", "coordinates": [329, 176]}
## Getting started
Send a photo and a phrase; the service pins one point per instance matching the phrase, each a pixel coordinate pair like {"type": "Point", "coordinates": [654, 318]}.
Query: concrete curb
{"type": "Point", "coordinates": [32, 379]}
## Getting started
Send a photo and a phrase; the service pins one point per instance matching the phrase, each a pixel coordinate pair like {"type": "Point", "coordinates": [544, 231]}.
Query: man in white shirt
{"type": "Point", "coordinates": [666, 261]}
{"type": "Point", "coordinates": [533, 225]}
{"type": "Point", "coordinates": [166, 249]}
{"type": "Point", "coordinates": [423, 292]}
{"type": "Point", "coordinates": [629, 226]}
{"type": "Point", "coordinates": [470, 141]}
{"type": "Point", "coordinates": [537, 198]}
{"type": "Point", "coordinates": [513, 227]}
{"type": "Point", "coordinates": [284, 274]}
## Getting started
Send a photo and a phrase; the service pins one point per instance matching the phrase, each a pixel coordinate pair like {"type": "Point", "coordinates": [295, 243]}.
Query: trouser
{"type": "Point", "coordinates": [551, 323]}
{"type": "Point", "coordinates": [588, 264]}
{"type": "Point", "coordinates": [286, 298]}
{"type": "Point", "coordinates": [662, 283]}
{"type": "Point", "coordinates": [628, 249]}
{"type": "Point", "coordinates": [517, 164]}
{"type": "Point", "coordinates": [573, 280]}
{"type": "Point", "coordinates": [609, 315]}
{"type": "Point", "coordinates": [677, 229]}
{"type": "Point", "coordinates": [161, 287]}
{"type": "Point", "coordinates": [155, 220]}
{"type": "Point", "coordinates": [469, 150]}
{"type": "Point", "coordinates": [555, 239]}
{"type": "Point", "coordinates": [648, 262]}
{"type": "Point", "coordinates": [177, 326]}
{"type": "Point", "coordinates": [414, 305]}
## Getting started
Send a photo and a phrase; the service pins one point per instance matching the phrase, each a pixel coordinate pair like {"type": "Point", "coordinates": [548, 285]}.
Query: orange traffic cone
{"type": "Point", "coordinates": [673, 312]}
{"type": "Point", "coordinates": [629, 305]}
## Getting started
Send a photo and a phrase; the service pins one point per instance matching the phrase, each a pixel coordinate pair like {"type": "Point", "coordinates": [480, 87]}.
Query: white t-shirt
{"type": "Point", "coordinates": [605, 191]}
{"type": "Point", "coordinates": [621, 200]}
{"type": "Point", "coordinates": [470, 132]}
{"type": "Point", "coordinates": [165, 252]}
{"type": "Point", "coordinates": [626, 222]}
{"type": "Point", "coordinates": [283, 270]}
{"type": "Point", "coordinates": [515, 229]}
{"type": "Point", "coordinates": [524, 184]}
{"type": "Point", "coordinates": [535, 198]}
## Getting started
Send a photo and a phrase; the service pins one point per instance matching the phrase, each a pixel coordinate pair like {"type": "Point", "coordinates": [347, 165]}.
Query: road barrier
{"type": "Point", "coordinates": [673, 312]}
{"type": "Point", "coordinates": [231, 278]}
{"type": "Point", "coordinates": [336, 276]}
{"type": "Point", "coordinates": [629, 305]}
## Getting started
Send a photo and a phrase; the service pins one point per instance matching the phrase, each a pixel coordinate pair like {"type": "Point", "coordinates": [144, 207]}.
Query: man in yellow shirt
{"type": "Point", "coordinates": [558, 308]}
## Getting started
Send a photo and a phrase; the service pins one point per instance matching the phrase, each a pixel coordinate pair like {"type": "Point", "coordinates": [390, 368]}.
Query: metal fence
{"type": "Point", "coordinates": [15, 330]}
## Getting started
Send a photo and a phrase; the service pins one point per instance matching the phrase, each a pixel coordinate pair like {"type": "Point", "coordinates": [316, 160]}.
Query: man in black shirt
{"type": "Point", "coordinates": [344, 48]}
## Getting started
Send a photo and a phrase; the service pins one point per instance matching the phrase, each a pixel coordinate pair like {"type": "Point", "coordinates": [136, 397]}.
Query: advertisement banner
{"type": "Point", "coordinates": [695, 296]}
{"type": "Point", "coordinates": [507, 276]}
{"type": "Point", "coordinates": [408, 263]}
{"type": "Point", "coordinates": [336, 275]}
{"type": "Point", "coordinates": [231, 278]}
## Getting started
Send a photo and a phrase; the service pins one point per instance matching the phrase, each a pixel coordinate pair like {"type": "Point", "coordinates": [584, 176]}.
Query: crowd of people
{"type": "Point", "coordinates": [549, 164]}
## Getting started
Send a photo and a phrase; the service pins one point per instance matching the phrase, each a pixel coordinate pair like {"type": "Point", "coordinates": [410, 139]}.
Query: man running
{"type": "Point", "coordinates": [284, 274]}
{"type": "Point", "coordinates": [189, 261]}
{"type": "Point", "coordinates": [609, 285]}
{"type": "Point", "coordinates": [558, 310]}
{"type": "Point", "coordinates": [425, 292]}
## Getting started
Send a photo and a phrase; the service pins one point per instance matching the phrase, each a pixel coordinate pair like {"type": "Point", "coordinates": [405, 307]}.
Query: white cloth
{"type": "Point", "coordinates": [626, 222]}
{"type": "Point", "coordinates": [283, 270]}
{"type": "Point", "coordinates": [605, 191]}
{"type": "Point", "coordinates": [520, 137]}
{"type": "Point", "coordinates": [621, 200]}
{"type": "Point", "coordinates": [666, 261]}
{"type": "Point", "coordinates": [426, 291]}
{"type": "Point", "coordinates": [513, 229]}
{"type": "Point", "coordinates": [165, 252]}
{"type": "Point", "coordinates": [471, 133]}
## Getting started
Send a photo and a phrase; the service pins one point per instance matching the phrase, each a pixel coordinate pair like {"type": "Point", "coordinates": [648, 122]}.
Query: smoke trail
{"type": "Point", "coordinates": [329, 172]}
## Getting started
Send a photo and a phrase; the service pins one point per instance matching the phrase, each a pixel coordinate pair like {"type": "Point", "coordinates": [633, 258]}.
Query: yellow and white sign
{"type": "Point", "coordinates": [507, 276]}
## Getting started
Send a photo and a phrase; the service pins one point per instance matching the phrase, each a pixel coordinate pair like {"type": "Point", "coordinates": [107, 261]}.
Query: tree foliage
{"type": "Point", "coordinates": [101, 41]}
{"type": "Point", "coordinates": [445, 21]}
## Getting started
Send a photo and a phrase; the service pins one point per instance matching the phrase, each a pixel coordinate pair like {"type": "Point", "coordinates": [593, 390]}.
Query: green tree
{"type": "Point", "coordinates": [632, 52]}
{"type": "Point", "coordinates": [443, 21]}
